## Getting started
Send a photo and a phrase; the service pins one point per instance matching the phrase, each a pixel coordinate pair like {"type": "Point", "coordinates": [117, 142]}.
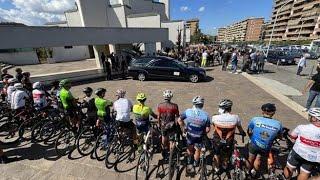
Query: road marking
{"type": "Point", "coordinates": [284, 99]}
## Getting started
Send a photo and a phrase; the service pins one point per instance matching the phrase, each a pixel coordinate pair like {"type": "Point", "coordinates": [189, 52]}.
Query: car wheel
{"type": "Point", "coordinates": [141, 77]}
{"type": "Point", "coordinates": [194, 78]}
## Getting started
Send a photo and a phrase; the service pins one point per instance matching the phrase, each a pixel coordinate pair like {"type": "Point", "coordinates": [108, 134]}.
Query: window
{"type": "Point", "coordinates": [68, 47]}
{"type": "Point", "coordinates": [168, 64]}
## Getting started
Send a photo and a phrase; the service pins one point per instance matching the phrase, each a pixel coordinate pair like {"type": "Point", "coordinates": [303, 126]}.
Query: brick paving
{"type": "Point", "coordinates": [38, 161]}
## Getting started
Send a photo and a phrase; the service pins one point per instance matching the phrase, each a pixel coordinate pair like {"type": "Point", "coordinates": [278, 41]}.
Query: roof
{"type": "Point", "coordinates": [142, 15]}
{"type": "Point", "coordinates": [192, 20]}
{"type": "Point", "coordinates": [55, 23]}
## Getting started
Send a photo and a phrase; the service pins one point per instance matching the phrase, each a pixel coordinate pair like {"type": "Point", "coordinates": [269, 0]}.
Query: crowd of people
{"type": "Point", "coordinates": [193, 123]}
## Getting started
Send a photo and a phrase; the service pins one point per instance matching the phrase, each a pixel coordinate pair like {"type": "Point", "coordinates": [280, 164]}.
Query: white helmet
{"type": "Point", "coordinates": [37, 85]}
{"type": "Point", "coordinates": [167, 94]}
{"type": "Point", "coordinates": [120, 93]}
{"type": "Point", "coordinates": [198, 100]}
{"type": "Point", "coordinates": [12, 80]}
{"type": "Point", "coordinates": [225, 104]}
{"type": "Point", "coordinates": [18, 86]}
{"type": "Point", "coordinates": [314, 112]}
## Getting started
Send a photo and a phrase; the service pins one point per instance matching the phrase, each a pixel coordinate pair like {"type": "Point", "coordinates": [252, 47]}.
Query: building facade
{"type": "Point", "coordinates": [294, 20]}
{"type": "Point", "coordinates": [246, 30]}
{"type": "Point", "coordinates": [193, 25]}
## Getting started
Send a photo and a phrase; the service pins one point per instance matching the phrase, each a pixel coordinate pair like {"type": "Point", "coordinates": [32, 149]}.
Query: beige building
{"type": "Point", "coordinates": [246, 30]}
{"type": "Point", "coordinates": [296, 20]}
{"type": "Point", "coordinates": [193, 25]}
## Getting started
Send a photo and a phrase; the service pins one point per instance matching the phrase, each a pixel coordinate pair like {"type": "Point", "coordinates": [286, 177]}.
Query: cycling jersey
{"type": "Point", "coordinates": [18, 99]}
{"type": "Point", "coordinates": [66, 99]}
{"type": "Point", "coordinates": [167, 114]}
{"type": "Point", "coordinates": [196, 121]}
{"type": "Point", "coordinates": [101, 105]}
{"type": "Point", "coordinates": [264, 131]}
{"type": "Point", "coordinates": [307, 143]}
{"type": "Point", "coordinates": [90, 105]}
{"type": "Point", "coordinates": [225, 125]}
{"type": "Point", "coordinates": [39, 99]}
{"type": "Point", "coordinates": [142, 113]}
{"type": "Point", "coordinates": [123, 108]}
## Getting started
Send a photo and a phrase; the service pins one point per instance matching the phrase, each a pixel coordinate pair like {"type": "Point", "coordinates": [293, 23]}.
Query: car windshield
{"type": "Point", "coordinates": [181, 63]}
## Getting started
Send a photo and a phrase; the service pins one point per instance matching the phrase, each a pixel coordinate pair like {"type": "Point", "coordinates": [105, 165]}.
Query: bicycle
{"type": "Point", "coordinates": [103, 139]}
{"type": "Point", "coordinates": [142, 168]}
{"type": "Point", "coordinates": [176, 149]}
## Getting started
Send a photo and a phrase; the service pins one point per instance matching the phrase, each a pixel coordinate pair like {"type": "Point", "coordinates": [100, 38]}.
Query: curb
{"type": "Point", "coordinates": [282, 98]}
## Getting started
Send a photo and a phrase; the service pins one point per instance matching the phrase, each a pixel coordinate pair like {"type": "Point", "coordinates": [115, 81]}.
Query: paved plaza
{"type": "Point", "coordinates": [39, 161]}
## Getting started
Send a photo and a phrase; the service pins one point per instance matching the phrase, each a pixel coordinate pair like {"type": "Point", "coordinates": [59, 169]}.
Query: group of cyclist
{"type": "Point", "coordinates": [194, 124]}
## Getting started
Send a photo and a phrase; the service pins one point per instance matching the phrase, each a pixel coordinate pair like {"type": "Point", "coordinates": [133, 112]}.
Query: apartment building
{"type": "Point", "coordinates": [193, 25]}
{"type": "Point", "coordinates": [246, 30]}
{"type": "Point", "coordinates": [294, 20]}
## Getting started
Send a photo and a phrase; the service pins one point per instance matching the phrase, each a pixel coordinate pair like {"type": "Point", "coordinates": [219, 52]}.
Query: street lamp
{"type": "Point", "coordinates": [274, 25]}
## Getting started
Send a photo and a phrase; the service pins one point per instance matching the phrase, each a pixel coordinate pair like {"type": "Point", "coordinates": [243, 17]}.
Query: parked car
{"type": "Point", "coordinates": [164, 68]}
{"type": "Point", "coordinates": [283, 57]}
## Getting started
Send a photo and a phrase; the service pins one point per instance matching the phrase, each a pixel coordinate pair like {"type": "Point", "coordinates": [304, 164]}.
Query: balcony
{"type": "Point", "coordinates": [282, 3]}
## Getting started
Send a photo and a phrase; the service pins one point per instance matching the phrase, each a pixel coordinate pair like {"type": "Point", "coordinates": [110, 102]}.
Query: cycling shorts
{"type": "Point", "coordinates": [220, 148]}
{"type": "Point", "coordinates": [169, 132]}
{"type": "Point", "coordinates": [143, 128]}
{"type": "Point", "coordinates": [295, 160]}
{"type": "Point", "coordinates": [195, 141]}
{"type": "Point", "coordinates": [257, 151]}
{"type": "Point", "coordinates": [126, 125]}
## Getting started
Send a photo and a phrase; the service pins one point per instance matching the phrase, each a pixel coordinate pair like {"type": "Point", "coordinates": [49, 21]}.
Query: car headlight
{"type": "Point", "coordinates": [283, 60]}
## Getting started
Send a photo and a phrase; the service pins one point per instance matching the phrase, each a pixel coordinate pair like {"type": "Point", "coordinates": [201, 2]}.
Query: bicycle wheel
{"type": "Point", "coordinates": [9, 132]}
{"type": "Point", "coordinates": [48, 130]}
{"type": "Point", "coordinates": [65, 143]}
{"type": "Point", "coordinates": [86, 141]}
{"type": "Point", "coordinates": [203, 169]}
{"type": "Point", "coordinates": [100, 147]}
{"type": "Point", "coordinates": [112, 153]}
{"type": "Point", "coordinates": [142, 169]}
{"type": "Point", "coordinates": [174, 163]}
{"type": "Point", "coordinates": [35, 132]}
{"type": "Point", "coordinates": [25, 130]}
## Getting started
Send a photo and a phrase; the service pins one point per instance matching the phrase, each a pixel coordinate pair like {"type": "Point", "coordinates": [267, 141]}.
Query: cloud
{"type": "Point", "coordinates": [184, 8]}
{"type": "Point", "coordinates": [201, 9]}
{"type": "Point", "coordinates": [36, 12]}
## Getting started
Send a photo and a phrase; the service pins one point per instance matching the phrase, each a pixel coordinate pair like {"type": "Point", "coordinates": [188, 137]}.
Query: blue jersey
{"type": "Point", "coordinates": [264, 131]}
{"type": "Point", "coordinates": [196, 121]}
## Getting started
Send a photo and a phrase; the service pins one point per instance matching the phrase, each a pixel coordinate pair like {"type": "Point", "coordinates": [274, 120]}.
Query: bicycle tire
{"type": "Point", "coordinates": [9, 133]}
{"type": "Point", "coordinates": [89, 141]}
{"type": "Point", "coordinates": [65, 137]}
{"type": "Point", "coordinates": [25, 130]}
{"type": "Point", "coordinates": [99, 148]}
{"type": "Point", "coordinates": [143, 159]}
{"type": "Point", "coordinates": [112, 149]}
{"type": "Point", "coordinates": [203, 173]}
{"type": "Point", "coordinates": [172, 163]}
{"type": "Point", "coordinates": [48, 130]}
{"type": "Point", "coordinates": [35, 132]}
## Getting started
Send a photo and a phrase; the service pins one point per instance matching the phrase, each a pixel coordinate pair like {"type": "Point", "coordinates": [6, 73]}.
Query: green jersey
{"type": "Point", "coordinates": [66, 98]}
{"type": "Point", "coordinates": [101, 105]}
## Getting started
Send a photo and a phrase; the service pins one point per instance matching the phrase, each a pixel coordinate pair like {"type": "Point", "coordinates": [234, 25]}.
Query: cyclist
{"type": "Point", "coordinates": [306, 150]}
{"type": "Point", "coordinates": [18, 98]}
{"type": "Point", "coordinates": [69, 103]}
{"type": "Point", "coordinates": [142, 114]}
{"type": "Point", "coordinates": [123, 107]}
{"type": "Point", "coordinates": [11, 88]}
{"type": "Point", "coordinates": [195, 123]}
{"type": "Point", "coordinates": [103, 106]}
{"type": "Point", "coordinates": [89, 104]}
{"type": "Point", "coordinates": [224, 126]}
{"type": "Point", "coordinates": [168, 112]}
{"type": "Point", "coordinates": [39, 96]}
{"type": "Point", "coordinates": [262, 132]}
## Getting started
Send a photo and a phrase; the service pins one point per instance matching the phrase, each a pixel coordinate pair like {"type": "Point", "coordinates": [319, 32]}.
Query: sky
{"type": "Point", "coordinates": [212, 13]}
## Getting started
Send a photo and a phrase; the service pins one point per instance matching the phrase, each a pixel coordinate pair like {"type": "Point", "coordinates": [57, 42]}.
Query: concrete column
{"type": "Point", "coordinates": [97, 53]}
{"type": "Point", "coordinates": [150, 48]}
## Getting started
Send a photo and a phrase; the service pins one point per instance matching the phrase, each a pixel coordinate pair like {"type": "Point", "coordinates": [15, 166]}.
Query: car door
{"type": "Point", "coordinates": [164, 69]}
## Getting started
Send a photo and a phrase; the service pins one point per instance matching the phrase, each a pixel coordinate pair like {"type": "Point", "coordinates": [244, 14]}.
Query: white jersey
{"type": "Point", "coordinates": [18, 99]}
{"type": "Point", "coordinates": [226, 120]}
{"type": "Point", "coordinates": [39, 98]}
{"type": "Point", "coordinates": [123, 108]}
{"type": "Point", "coordinates": [307, 143]}
{"type": "Point", "coordinates": [10, 90]}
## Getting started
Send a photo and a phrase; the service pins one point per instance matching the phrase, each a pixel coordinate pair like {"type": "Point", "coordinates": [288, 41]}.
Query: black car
{"type": "Point", "coordinates": [164, 68]}
{"type": "Point", "coordinates": [281, 57]}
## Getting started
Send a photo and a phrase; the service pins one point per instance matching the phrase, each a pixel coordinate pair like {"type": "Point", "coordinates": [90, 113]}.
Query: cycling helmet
{"type": "Point", "coordinates": [100, 91]}
{"type": "Point", "coordinates": [269, 107]}
{"type": "Point", "coordinates": [64, 82]}
{"type": "Point", "coordinates": [18, 86]}
{"type": "Point", "coordinates": [120, 93]}
{"type": "Point", "coordinates": [167, 94]}
{"type": "Point", "coordinates": [225, 104]}
{"type": "Point", "coordinates": [37, 85]}
{"type": "Point", "coordinates": [198, 100]}
{"type": "Point", "coordinates": [87, 90]}
{"type": "Point", "coordinates": [27, 74]}
{"type": "Point", "coordinates": [12, 80]}
{"type": "Point", "coordinates": [314, 112]}
{"type": "Point", "coordinates": [141, 97]}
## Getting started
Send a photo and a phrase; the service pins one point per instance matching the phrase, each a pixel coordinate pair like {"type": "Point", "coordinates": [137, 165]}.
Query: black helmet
{"type": "Point", "coordinates": [87, 90]}
{"type": "Point", "coordinates": [269, 107]}
{"type": "Point", "coordinates": [100, 91]}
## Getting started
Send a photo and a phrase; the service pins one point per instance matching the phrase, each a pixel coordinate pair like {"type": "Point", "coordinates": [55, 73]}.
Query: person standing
{"type": "Point", "coordinates": [103, 60]}
{"type": "Point", "coordinates": [234, 62]}
{"type": "Point", "coordinates": [261, 60]}
{"type": "Point", "coordinates": [253, 57]}
{"type": "Point", "coordinates": [108, 69]}
{"type": "Point", "coordinates": [204, 58]}
{"type": "Point", "coordinates": [113, 61]}
{"type": "Point", "coordinates": [314, 90]}
{"type": "Point", "coordinates": [19, 74]}
{"type": "Point", "coordinates": [225, 59]}
{"type": "Point", "coordinates": [302, 63]}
